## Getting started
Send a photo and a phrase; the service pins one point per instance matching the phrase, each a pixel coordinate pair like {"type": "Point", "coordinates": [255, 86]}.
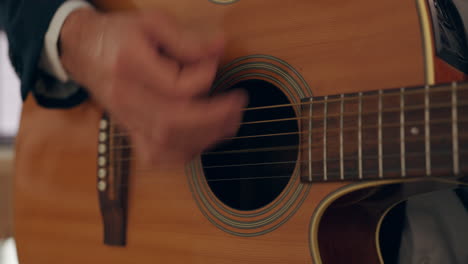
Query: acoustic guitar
{"type": "Point", "coordinates": [355, 107]}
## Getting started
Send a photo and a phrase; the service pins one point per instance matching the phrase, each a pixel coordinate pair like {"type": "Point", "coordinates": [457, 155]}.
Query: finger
{"type": "Point", "coordinates": [189, 80]}
{"type": "Point", "coordinates": [149, 68]}
{"type": "Point", "coordinates": [196, 79]}
{"type": "Point", "coordinates": [210, 121]}
{"type": "Point", "coordinates": [189, 129]}
{"type": "Point", "coordinates": [183, 45]}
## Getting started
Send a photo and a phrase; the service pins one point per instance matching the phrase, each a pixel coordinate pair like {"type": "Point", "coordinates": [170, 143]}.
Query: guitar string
{"type": "Point", "coordinates": [349, 114]}
{"type": "Point", "coordinates": [320, 145]}
{"type": "Point", "coordinates": [396, 92]}
{"type": "Point", "coordinates": [366, 172]}
{"type": "Point", "coordinates": [345, 158]}
{"type": "Point", "coordinates": [295, 147]}
{"type": "Point", "coordinates": [313, 146]}
{"type": "Point", "coordinates": [124, 146]}
{"type": "Point", "coordinates": [147, 179]}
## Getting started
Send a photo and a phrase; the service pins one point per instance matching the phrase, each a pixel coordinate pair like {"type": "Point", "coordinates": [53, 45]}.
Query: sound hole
{"type": "Point", "coordinates": [249, 173]}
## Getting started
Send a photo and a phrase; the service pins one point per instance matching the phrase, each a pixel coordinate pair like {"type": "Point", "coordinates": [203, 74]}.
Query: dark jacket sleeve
{"type": "Point", "coordinates": [26, 23]}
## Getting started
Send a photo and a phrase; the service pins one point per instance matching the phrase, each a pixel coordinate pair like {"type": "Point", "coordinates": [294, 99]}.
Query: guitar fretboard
{"type": "Point", "coordinates": [400, 133]}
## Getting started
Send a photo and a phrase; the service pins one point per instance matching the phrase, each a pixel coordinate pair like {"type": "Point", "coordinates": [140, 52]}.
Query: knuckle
{"type": "Point", "coordinates": [119, 65]}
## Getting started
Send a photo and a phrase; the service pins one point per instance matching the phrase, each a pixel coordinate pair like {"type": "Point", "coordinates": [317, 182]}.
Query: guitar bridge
{"type": "Point", "coordinates": [112, 181]}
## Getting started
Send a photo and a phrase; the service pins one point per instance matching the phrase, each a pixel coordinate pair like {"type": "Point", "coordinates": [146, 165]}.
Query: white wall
{"type": "Point", "coordinates": [10, 105]}
{"type": "Point", "coordinates": [10, 98]}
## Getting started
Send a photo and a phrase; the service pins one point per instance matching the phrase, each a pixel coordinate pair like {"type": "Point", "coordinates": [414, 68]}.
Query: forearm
{"type": "Point", "coordinates": [26, 23]}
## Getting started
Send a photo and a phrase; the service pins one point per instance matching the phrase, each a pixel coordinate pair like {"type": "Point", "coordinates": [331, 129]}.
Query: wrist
{"type": "Point", "coordinates": [75, 31]}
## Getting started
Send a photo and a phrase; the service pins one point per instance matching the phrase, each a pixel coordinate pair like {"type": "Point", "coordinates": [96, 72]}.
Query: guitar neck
{"type": "Point", "coordinates": [400, 133]}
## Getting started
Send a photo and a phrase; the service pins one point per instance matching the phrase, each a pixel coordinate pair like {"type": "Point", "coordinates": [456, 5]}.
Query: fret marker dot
{"type": "Point", "coordinates": [414, 131]}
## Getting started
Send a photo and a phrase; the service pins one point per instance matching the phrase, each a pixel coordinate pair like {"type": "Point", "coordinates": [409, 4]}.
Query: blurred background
{"type": "Point", "coordinates": [10, 106]}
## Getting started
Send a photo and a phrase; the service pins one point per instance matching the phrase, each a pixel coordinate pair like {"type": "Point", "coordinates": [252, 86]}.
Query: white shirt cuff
{"type": "Point", "coordinates": [50, 57]}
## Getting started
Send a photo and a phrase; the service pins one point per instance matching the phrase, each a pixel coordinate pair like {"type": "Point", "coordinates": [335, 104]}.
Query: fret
{"type": "Point", "coordinates": [360, 136]}
{"type": "Point", "coordinates": [456, 164]}
{"type": "Point", "coordinates": [423, 135]}
{"type": "Point", "coordinates": [440, 128]}
{"type": "Point", "coordinates": [341, 138]}
{"type": "Point", "coordinates": [462, 112]}
{"type": "Point", "coordinates": [402, 133]}
{"type": "Point", "coordinates": [414, 132]}
{"type": "Point", "coordinates": [317, 139]}
{"type": "Point", "coordinates": [310, 138]}
{"type": "Point", "coordinates": [427, 130]}
{"type": "Point", "coordinates": [325, 113]}
{"type": "Point", "coordinates": [380, 155]}
{"type": "Point", "coordinates": [390, 135]}
{"type": "Point", "coordinates": [350, 135]}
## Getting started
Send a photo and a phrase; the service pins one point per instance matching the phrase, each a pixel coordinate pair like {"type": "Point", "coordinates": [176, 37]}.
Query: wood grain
{"type": "Point", "coordinates": [337, 46]}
